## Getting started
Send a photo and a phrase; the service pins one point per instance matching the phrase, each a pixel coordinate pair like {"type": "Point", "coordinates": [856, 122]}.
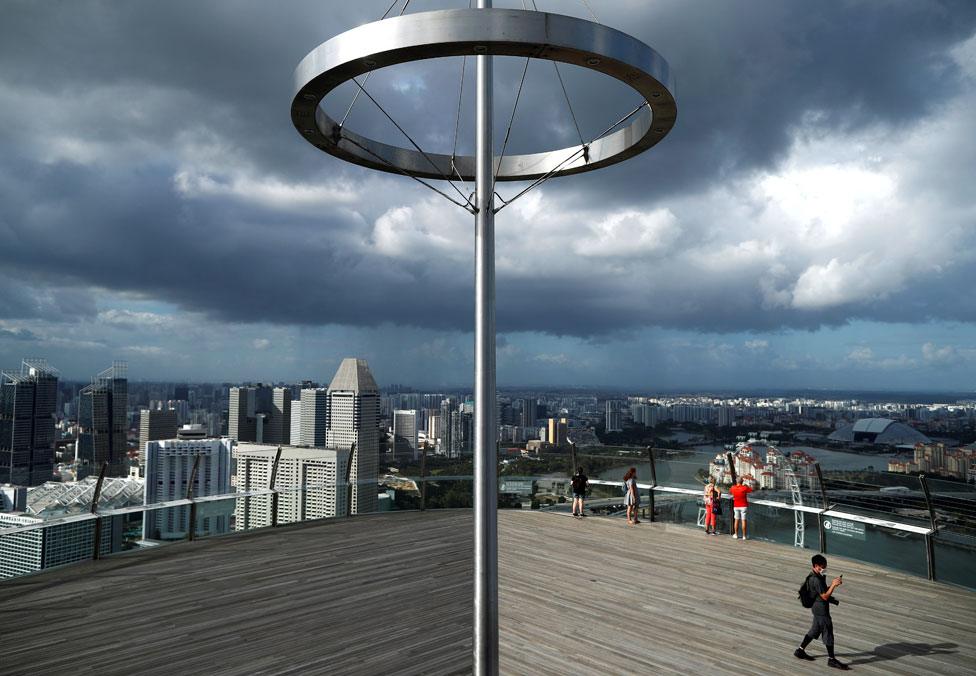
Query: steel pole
{"type": "Point", "coordinates": [485, 451]}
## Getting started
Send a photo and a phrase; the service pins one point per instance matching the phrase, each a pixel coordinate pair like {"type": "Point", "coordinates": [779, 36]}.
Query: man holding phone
{"type": "Point", "coordinates": [822, 627]}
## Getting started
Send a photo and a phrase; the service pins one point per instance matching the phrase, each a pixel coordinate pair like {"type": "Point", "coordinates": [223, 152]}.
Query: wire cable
{"type": "Point", "coordinates": [409, 138]}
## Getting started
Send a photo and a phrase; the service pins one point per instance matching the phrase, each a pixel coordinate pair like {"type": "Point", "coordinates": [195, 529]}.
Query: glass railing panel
{"type": "Point", "coordinates": [955, 558]}
{"type": "Point", "coordinates": [889, 547]}
{"type": "Point", "coordinates": [215, 515]}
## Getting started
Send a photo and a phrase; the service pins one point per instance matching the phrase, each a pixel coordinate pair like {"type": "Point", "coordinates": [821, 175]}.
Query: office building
{"type": "Point", "coordinates": [48, 546]}
{"type": "Point", "coordinates": [102, 422]}
{"type": "Point", "coordinates": [295, 430]}
{"type": "Point", "coordinates": [311, 484]}
{"type": "Point", "coordinates": [353, 419]}
{"type": "Point", "coordinates": [405, 445]}
{"type": "Point", "coordinates": [314, 418]}
{"type": "Point", "coordinates": [529, 411]}
{"type": "Point", "coordinates": [28, 400]}
{"type": "Point", "coordinates": [557, 432]}
{"type": "Point", "coordinates": [153, 426]}
{"type": "Point", "coordinates": [613, 416]}
{"type": "Point", "coordinates": [169, 467]}
{"type": "Point", "coordinates": [258, 413]}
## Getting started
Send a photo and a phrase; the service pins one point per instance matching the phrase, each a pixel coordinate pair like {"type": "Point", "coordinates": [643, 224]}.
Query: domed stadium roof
{"type": "Point", "coordinates": [879, 431]}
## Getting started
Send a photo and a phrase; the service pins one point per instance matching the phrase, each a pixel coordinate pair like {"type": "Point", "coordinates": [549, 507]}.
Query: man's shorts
{"type": "Point", "coordinates": [579, 496]}
{"type": "Point", "coordinates": [740, 512]}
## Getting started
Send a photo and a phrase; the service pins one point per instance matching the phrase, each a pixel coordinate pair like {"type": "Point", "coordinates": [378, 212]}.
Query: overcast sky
{"type": "Point", "coordinates": [809, 222]}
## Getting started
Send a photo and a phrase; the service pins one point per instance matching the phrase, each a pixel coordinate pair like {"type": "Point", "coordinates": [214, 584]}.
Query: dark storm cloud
{"type": "Point", "coordinates": [106, 105]}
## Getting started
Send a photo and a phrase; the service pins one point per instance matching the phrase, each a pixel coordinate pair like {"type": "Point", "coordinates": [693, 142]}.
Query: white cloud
{"type": "Point", "coordinates": [756, 345]}
{"type": "Point", "coordinates": [629, 234]}
{"type": "Point", "coordinates": [261, 343]}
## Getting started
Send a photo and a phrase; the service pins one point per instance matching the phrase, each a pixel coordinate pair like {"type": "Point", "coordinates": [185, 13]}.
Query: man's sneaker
{"type": "Point", "coordinates": [800, 653]}
{"type": "Point", "coordinates": [744, 537]}
{"type": "Point", "coordinates": [734, 536]}
{"type": "Point", "coordinates": [837, 664]}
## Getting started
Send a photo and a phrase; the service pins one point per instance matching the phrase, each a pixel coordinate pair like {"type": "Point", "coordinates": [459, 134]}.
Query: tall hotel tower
{"type": "Point", "coordinates": [353, 418]}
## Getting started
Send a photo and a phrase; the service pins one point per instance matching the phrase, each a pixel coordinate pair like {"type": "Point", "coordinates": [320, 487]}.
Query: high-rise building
{"type": "Point", "coordinates": [444, 443]}
{"type": "Point", "coordinates": [405, 445]}
{"type": "Point", "coordinates": [311, 481]}
{"type": "Point", "coordinates": [153, 426]}
{"type": "Point", "coordinates": [353, 418]}
{"type": "Point", "coordinates": [169, 466]}
{"type": "Point", "coordinates": [528, 412]}
{"type": "Point", "coordinates": [557, 432]}
{"type": "Point", "coordinates": [103, 423]}
{"type": "Point", "coordinates": [295, 431]}
{"type": "Point", "coordinates": [314, 419]}
{"type": "Point", "coordinates": [462, 432]}
{"type": "Point", "coordinates": [28, 400]}
{"type": "Point", "coordinates": [613, 416]}
{"type": "Point", "coordinates": [259, 413]}
{"type": "Point", "coordinates": [279, 422]}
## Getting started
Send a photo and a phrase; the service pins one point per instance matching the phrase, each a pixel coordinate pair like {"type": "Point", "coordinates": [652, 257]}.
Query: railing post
{"type": "Point", "coordinates": [423, 478]}
{"type": "Point", "coordinates": [192, 525]}
{"type": "Point", "coordinates": [929, 538]}
{"type": "Point", "coordinates": [271, 487]}
{"type": "Point", "coordinates": [731, 461]}
{"type": "Point", "coordinates": [826, 506]}
{"type": "Point", "coordinates": [96, 549]}
{"type": "Point", "coordinates": [650, 501]}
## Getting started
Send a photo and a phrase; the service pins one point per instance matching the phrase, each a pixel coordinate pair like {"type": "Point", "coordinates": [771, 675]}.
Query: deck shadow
{"type": "Point", "coordinates": [893, 651]}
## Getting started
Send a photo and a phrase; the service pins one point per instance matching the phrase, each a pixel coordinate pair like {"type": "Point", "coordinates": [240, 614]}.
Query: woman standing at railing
{"type": "Point", "coordinates": [713, 503]}
{"type": "Point", "coordinates": [631, 497]}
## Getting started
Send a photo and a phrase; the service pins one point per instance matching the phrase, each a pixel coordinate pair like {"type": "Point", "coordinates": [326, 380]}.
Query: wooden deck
{"type": "Point", "coordinates": [392, 594]}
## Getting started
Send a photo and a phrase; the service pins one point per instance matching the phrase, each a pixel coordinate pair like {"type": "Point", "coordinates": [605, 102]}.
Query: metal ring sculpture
{"type": "Point", "coordinates": [504, 32]}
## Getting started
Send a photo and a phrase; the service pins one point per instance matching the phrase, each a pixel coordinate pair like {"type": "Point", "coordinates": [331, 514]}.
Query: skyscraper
{"type": "Point", "coordinates": [444, 433]}
{"type": "Point", "coordinates": [613, 416]}
{"type": "Point", "coordinates": [279, 422]}
{"type": "Point", "coordinates": [255, 413]}
{"type": "Point", "coordinates": [153, 426]}
{"type": "Point", "coordinates": [27, 403]}
{"type": "Point", "coordinates": [103, 423]}
{"type": "Point", "coordinates": [405, 434]}
{"type": "Point", "coordinates": [557, 432]}
{"type": "Point", "coordinates": [528, 412]}
{"type": "Point", "coordinates": [353, 417]}
{"type": "Point", "coordinates": [314, 419]}
{"type": "Point", "coordinates": [169, 464]}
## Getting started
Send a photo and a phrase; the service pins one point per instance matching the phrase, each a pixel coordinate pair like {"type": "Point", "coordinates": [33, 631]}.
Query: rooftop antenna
{"type": "Point", "coordinates": [482, 33]}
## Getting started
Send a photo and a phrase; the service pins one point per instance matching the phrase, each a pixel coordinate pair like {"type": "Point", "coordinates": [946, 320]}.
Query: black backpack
{"type": "Point", "coordinates": [579, 484]}
{"type": "Point", "coordinates": [807, 597]}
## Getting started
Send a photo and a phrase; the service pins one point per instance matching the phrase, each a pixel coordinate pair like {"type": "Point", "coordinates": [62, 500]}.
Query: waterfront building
{"type": "Point", "coordinates": [28, 400]}
{"type": "Point", "coordinates": [311, 484]}
{"type": "Point", "coordinates": [352, 422]}
{"type": "Point", "coordinates": [169, 466]}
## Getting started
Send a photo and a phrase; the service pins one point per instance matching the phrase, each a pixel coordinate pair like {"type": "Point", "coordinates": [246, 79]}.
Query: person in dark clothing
{"type": "Point", "coordinates": [580, 484]}
{"type": "Point", "coordinates": [822, 627]}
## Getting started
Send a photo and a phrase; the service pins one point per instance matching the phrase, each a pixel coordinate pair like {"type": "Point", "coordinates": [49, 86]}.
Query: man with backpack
{"type": "Point", "coordinates": [580, 484]}
{"type": "Point", "coordinates": [817, 596]}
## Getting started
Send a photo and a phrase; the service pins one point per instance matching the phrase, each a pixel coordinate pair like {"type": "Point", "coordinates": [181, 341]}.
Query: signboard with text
{"type": "Point", "coordinates": [844, 528]}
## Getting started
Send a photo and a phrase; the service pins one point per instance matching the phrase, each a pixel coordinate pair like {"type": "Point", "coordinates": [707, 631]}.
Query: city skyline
{"type": "Point", "coordinates": [816, 233]}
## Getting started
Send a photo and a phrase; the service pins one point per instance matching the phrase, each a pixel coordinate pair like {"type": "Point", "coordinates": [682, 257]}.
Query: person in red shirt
{"type": "Point", "coordinates": [740, 503]}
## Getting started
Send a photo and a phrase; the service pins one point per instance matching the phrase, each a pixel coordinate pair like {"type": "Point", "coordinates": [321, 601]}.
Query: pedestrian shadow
{"type": "Point", "coordinates": [892, 651]}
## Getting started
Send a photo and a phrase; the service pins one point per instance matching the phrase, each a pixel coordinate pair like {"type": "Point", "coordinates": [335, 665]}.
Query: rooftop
{"type": "Point", "coordinates": [392, 593]}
